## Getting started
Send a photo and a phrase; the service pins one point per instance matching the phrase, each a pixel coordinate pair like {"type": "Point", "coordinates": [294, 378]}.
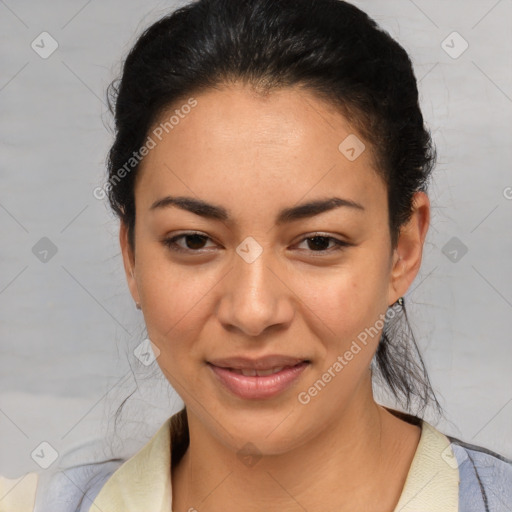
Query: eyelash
{"type": "Point", "coordinates": [171, 243]}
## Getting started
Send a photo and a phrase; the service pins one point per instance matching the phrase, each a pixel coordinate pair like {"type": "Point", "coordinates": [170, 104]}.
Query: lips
{"type": "Point", "coordinates": [258, 378]}
{"type": "Point", "coordinates": [270, 363]}
{"type": "Point", "coordinates": [250, 372]}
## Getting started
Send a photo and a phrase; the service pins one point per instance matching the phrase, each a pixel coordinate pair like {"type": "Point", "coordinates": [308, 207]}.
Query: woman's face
{"type": "Point", "coordinates": [252, 285]}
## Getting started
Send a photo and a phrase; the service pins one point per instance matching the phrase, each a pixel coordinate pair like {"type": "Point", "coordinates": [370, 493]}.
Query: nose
{"type": "Point", "coordinates": [255, 297]}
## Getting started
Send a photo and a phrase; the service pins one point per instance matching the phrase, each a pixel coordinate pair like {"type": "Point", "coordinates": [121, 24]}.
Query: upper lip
{"type": "Point", "coordinates": [262, 363]}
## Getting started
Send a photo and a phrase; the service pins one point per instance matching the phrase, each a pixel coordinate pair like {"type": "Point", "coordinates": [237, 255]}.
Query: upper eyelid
{"type": "Point", "coordinates": [314, 234]}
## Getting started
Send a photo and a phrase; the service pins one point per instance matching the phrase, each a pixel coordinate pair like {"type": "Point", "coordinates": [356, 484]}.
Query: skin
{"type": "Point", "coordinates": [255, 155]}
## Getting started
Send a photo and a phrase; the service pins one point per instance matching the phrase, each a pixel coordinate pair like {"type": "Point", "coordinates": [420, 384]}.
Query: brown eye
{"type": "Point", "coordinates": [320, 243]}
{"type": "Point", "coordinates": [194, 242]}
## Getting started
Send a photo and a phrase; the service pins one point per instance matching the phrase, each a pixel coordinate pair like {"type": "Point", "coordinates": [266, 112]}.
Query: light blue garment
{"type": "Point", "coordinates": [485, 483]}
{"type": "Point", "coordinates": [485, 479]}
{"type": "Point", "coordinates": [73, 489]}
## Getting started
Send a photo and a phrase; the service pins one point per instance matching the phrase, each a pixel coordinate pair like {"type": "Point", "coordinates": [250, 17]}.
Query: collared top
{"type": "Point", "coordinates": [446, 475]}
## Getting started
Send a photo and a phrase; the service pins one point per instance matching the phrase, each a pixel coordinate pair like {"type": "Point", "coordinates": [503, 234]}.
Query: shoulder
{"type": "Point", "coordinates": [485, 478]}
{"type": "Point", "coordinates": [69, 490]}
{"type": "Point", "coordinates": [74, 488]}
{"type": "Point", "coordinates": [18, 494]}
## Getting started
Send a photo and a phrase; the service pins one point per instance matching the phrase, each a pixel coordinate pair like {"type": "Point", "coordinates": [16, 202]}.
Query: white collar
{"type": "Point", "coordinates": [143, 482]}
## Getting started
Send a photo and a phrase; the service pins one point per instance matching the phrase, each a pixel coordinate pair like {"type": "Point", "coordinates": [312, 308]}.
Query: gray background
{"type": "Point", "coordinates": [68, 324]}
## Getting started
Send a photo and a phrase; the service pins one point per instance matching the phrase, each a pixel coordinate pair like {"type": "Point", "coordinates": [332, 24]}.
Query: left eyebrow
{"type": "Point", "coordinates": [313, 208]}
{"type": "Point", "coordinates": [286, 215]}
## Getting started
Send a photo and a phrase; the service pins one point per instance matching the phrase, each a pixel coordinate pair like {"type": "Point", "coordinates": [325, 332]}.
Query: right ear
{"type": "Point", "coordinates": [128, 261]}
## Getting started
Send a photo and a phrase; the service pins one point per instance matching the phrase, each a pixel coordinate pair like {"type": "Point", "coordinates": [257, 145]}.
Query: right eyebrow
{"type": "Point", "coordinates": [286, 215]}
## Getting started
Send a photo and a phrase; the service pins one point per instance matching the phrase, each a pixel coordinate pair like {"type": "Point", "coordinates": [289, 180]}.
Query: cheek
{"type": "Point", "coordinates": [174, 298]}
{"type": "Point", "coordinates": [174, 312]}
{"type": "Point", "coordinates": [343, 307]}
{"type": "Point", "coordinates": [344, 301]}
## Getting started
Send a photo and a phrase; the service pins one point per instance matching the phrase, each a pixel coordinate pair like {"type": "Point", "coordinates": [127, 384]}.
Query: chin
{"type": "Point", "coordinates": [268, 432]}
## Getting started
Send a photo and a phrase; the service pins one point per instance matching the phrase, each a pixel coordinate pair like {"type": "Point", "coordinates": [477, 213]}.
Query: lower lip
{"type": "Point", "coordinates": [256, 387]}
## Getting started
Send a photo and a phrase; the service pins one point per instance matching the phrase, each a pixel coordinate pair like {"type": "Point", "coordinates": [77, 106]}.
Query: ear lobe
{"type": "Point", "coordinates": [128, 261]}
{"type": "Point", "coordinates": [409, 250]}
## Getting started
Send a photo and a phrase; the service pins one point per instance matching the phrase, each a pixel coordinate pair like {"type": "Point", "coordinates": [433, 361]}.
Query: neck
{"type": "Point", "coordinates": [359, 461]}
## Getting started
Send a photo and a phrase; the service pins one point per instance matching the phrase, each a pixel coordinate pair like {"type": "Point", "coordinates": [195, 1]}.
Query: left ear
{"type": "Point", "coordinates": [409, 249]}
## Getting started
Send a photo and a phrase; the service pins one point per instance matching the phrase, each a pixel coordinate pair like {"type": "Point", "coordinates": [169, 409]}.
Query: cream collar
{"type": "Point", "coordinates": [143, 482]}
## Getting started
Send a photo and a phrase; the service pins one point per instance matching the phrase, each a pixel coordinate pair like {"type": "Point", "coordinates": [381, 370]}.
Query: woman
{"type": "Point", "coordinates": [270, 171]}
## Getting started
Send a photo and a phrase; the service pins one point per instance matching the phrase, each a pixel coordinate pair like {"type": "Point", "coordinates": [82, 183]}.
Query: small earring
{"type": "Point", "coordinates": [137, 305]}
{"type": "Point", "coordinates": [400, 301]}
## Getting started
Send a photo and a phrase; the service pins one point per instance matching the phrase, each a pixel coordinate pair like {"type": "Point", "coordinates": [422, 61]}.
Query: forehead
{"type": "Point", "coordinates": [245, 150]}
